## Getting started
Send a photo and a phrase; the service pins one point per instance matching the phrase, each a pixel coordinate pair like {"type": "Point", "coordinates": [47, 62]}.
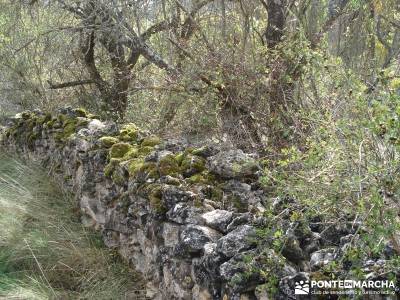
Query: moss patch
{"type": "Point", "coordinates": [192, 164]}
{"type": "Point", "coordinates": [155, 199]}
{"type": "Point", "coordinates": [132, 153]}
{"type": "Point", "coordinates": [134, 166]}
{"type": "Point", "coordinates": [129, 133]}
{"type": "Point", "coordinates": [151, 141]}
{"type": "Point", "coordinates": [118, 150]}
{"type": "Point", "coordinates": [146, 150]}
{"type": "Point", "coordinates": [110, 167]}
{"type": "Point", "coordinates": [69, 126]}
{"type": "Point", "coordinates": [81, 112]}
{"type": "Point", "coordinates": [168, 165]}
{"type": "Point", "coordinates": [108, 141]}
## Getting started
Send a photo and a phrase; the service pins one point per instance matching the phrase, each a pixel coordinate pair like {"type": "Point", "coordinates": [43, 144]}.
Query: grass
{"type": "Point", "coordinates": [45, 252]}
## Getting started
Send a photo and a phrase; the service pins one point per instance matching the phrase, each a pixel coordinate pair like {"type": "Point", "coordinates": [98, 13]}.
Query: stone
{"type": "Point", "coordinates": [183, 213]}
{"type": "Point", "coordinates": [321, 258]}
{"type": "Point", "coordinates": [172, 194]}
{"type": "Point", "coordinates": [195, 237]}
{"type": "Point", "coordinates": [96, 126]}
{"type": "Point", "coordinates": [238, 240]}
{"type": "Point", "coordinates": [218, 219]}
{"type": "Point", "coordinates": [170, 234]}
{"type": "Point", "coordinates": [232, 164]}
{"type": "Point", "coordinates": [188, 230]}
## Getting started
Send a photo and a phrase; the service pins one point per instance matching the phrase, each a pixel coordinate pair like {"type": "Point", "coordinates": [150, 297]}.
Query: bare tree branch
{"type": "Point", "coordinates": [55, 86]}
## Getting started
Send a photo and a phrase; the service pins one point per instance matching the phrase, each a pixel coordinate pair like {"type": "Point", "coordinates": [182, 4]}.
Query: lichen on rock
{"type": "Point", "coordinates": [119, 150]}
{"type": "Point", "coordinates": [108, 141]}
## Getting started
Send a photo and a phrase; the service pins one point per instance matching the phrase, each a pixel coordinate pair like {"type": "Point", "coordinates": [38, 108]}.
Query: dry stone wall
{"type": "Point", "coordinates": [178, 214]}
{"type": "Point", "coordinates": [192, 220]}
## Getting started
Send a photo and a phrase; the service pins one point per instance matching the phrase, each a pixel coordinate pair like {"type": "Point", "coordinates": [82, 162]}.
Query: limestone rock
{"type": "Point", "coordinates": [232, 164]}
{"type": "Point", "coordinates": [322, 257]}
{"type": "Point", "coordinates": [195, 237]}
{"type": "Point", "coordinates": [218, 219]}
{"type": "Point", "coordinates": [238, 240]}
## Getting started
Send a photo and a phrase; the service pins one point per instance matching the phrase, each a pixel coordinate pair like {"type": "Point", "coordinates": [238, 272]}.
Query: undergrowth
{"type": "Point", "coordinates": [45, 252]}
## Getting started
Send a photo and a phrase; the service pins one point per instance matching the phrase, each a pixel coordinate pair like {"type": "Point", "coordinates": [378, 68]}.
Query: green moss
{"type": "Point", "coordinates": [67, 131]}
{"type": "Point", "coordinates": [32, 137]}
{"type": "Point", "coordinates": [155, 199]}
{"type": "Point", "coordinates": [118, 150]}
{"type": "Point", "coordinates": [81, 112]}
{"type": "Point", "coordinates": [129, 133]}
{"type": "Point", "coordinates": [110, 167]}
{"type": "Point", "coordinates": [245, 167]}
{"type": "Point", "coordinates": [199, 151]}
{"type": "Point", "coordinates": [204, 177]}
{"type": "Point", "coordinates": [134, 166]}
{"type": "Point", "coordinates": [147, 169]}
{"type": "Point", "coordinates": [168, 165]}
{"type": "Point", "coordinates": [145, 150]}
{"type": "Point", "coordinates": [179, 157]}
{"type": "Point", "coordinates": [132, 153]}
{"type": "Point", "coordinates": [150, 168]}
{"type": "Point", "coordinates": [193, 164]}
{"type": "Point", "coordinates": [108, 141]}
{"type": "Point", "coordinates": [189, 150]}
{"type": "Point", "coordinates": [51, 122]}
{"type": "Point", "coordinates": [26, 115]}
{"type": "Point", "coordinates": [44, 119]}
{"type": "Point", "coordinates": [62, 118]}
{"type": "Point", "coordinates": [151, 141]}
{"type": "Point", "coordinates": [82, 122]}
{"type": "Point", "coordinates": [197, 178]}
{"type": "Point", "coordinates": [69, 126]}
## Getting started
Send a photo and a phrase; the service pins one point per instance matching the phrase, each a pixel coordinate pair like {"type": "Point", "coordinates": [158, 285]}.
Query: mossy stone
{"type": "Point", "coordinates": [155, 199]}
{"type": "Point", "coordinates": [69, 126]}
{"type": "Point", "coordinates": [150, 170]}
{"type": "Point", "coordinates": [179, 157]}
{"type": "Point", "coordinates": [202, 151]}
{"type": "Point", "coordinates": [66, 132]}
{"type": "Point", "coordinates": [146, 169]}
{"type": "Point", "coordinates": [168, 165]}
{"type": "Point", "coordinates": [134, 166]}
{"type": "Point", "coordinates": [197, 179]}
{"type": "Point", "coordinates": [80, 112]}
{"type": "Point", "coordinates": [110, 167]}
{"type": "Point", "coordinates": [50, 123]}
{"type": "Point", "coordinates": [202, 178]}
{"type": "Point", "coordinates": [146, 150]}
{"type": "Point", "coordinates": [129, 132]}
{"type": "Point", "coordinates": [108, 141]}
{"type": "Point", "coordinates": [132, 153]}
{"type": "Point", "coordinates": [192, 164]}
{"type": "Point", "coordinates": [151, 141]}
{"type": "Point", "coordinates": [26, 115]}
{"type": "Point", "coordinates": [44, 119]}
{"type": "Point", "coordinates": [118, 150]}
